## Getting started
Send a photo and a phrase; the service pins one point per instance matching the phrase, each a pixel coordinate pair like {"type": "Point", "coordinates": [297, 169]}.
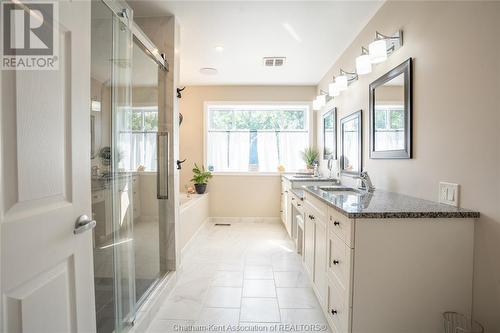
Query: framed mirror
{"type": "Point", "coordinates": [391, 114]}
{"type": "Point", "coordinates": [330, 134]}
{"type": "Point", "coordinates": [351, 144]}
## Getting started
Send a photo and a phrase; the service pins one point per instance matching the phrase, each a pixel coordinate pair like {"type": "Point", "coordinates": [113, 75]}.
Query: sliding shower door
{"type": "Point", "coordinates": [141, 137]}
{"type": "Point", "coordinates": [127, 175]}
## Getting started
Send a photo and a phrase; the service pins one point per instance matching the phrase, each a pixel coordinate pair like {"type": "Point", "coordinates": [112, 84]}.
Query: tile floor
{"type": "Point", "coordinates": [245, 274]}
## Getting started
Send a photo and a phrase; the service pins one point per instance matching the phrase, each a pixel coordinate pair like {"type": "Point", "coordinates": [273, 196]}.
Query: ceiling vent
{"type": "Point", "coordinates": [274, 61]}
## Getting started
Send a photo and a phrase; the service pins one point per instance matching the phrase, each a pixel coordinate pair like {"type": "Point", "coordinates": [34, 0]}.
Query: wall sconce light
{"type": "Point", "coordinates": [384, 45]}
{"type": "Point", "coordinates": [363, 62]}
{"type": "Point", "coordinates": [343, 80]}
{"type": "Point", "coordinates": [320, 100]}
{"type": "Point", "coordinates": [332, 89]}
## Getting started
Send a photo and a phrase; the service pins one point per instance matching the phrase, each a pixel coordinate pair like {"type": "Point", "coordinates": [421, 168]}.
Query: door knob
{"type": "Point", "coordinates": [83, 223]}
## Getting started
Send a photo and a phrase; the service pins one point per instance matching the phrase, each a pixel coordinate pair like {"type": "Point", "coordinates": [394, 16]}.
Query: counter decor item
{"type": "Point", "coordinates": [200, 178]}
{"type": "Point", "coordinates": [310, 156]}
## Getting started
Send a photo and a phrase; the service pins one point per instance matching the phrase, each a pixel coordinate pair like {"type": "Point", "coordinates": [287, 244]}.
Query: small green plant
{"type": "Point", "coordinates": [200, 175]}
{"type": "Point", "coordinates": [310, 155]}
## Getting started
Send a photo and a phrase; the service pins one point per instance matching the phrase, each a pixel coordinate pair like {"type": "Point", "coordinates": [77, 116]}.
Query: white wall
{"type": "Point", "coordinates": [232, 196]}
{"type": "Point", "coordinates": [456, 51]}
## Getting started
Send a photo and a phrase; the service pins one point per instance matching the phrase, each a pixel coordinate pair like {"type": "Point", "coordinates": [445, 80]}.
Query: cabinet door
{"type": "Point", "coordinates": [309, 237]}
{"type": "Point", "coordinates": [320, 259]}
{"type": "Point", "coordinates": [288, 212]}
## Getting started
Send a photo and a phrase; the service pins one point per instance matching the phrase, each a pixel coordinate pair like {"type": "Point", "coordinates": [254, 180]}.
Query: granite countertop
{"type": "Point", "coordinates": [298, 192]}
{"type": "Point", "coordinates": [298, 178]}
{"type": "Point", "coordinates": [383, 204]}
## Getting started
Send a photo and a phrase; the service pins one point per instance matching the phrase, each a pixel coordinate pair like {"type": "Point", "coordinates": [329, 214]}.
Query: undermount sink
{"type": "Point", "coordinates": [341, 190]}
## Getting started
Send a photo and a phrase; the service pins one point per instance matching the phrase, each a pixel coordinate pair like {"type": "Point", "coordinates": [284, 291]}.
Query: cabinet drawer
{"type": "Point", "coordinates": [298, 203]}
{"type": "Point", "coordinates": [316, 208]}
{"type": "Point", "coordinates": [342, 226]}
{"type": "Point", "coordinates": [339, 311]}
{"type": "Point", "coordinates": [339, 261]}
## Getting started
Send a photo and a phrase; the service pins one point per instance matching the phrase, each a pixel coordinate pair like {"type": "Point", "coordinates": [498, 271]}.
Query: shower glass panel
{"type": "Point", "coordinates": [124, 119]}
{"type": "Point", "coordinates": [102, 208]}
{"type": "Point", "coordinates": [123, 181]}
{"type": "Point", "coordinates": [141, 155]}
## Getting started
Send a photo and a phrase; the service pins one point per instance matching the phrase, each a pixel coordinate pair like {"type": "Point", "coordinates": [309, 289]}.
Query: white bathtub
{"type": "Point", "coordinates": [194, 212]}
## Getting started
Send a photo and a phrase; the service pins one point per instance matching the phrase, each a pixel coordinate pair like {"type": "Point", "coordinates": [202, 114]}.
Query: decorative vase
{"type": "Point", "coordinates": [200, 188]}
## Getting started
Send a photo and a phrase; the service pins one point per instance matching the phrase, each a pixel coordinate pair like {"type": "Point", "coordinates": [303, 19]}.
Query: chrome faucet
{"type": "Point", "coordinates": [366, 181]}
{"type": "Point", "coordinates": [330, 166]}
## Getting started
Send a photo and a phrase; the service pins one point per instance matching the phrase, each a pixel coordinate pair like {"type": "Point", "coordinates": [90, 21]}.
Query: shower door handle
{"type": "Point", "coordinates": [162, 146]}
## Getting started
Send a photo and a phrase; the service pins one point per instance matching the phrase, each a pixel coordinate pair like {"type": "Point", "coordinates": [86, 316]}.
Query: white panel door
{"type": "Point", "coordinates": [46, 270]}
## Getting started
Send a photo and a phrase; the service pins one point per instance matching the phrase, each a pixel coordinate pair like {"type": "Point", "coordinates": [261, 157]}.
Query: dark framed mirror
{"type": "Point", "coordinates": [351, 144]}
{"type": "Point", "coordinates": [391, 114]}
{"type": "Point", "coordinates": [330, 134]}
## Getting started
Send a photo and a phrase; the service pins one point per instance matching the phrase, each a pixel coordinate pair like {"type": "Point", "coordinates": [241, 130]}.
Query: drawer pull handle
{"type": "Point", "coordinates": [334, 312]}
{"type": "Point", "coordinates": [311, 217]}
{"type": "Point", "coordinates": [299, 205]}
{"type": "Point", "coordinates": [293, 199]}
{"type": "Point", "coordinates": [336, 262]}
{"type": "Point", "coordinates": [337, 223]}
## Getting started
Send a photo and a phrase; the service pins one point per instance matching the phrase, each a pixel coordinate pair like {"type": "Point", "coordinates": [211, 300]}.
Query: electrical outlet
{"type": "Point", "coordinates": [449, 193]}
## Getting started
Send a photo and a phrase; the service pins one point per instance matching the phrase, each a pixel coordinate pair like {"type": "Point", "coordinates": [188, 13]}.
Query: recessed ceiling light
{"type": "Point", "coordinates": [219, 48]}
{"type": "Point", "coordinates": [208, 71]}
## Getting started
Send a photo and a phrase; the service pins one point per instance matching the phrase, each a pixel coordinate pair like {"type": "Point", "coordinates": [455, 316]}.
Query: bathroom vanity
{"type": "Point", "coordinates": [385, 262]}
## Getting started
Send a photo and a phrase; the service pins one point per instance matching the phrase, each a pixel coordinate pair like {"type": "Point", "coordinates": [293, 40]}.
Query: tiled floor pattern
{"type": "Point", "coordinates": [245, 274]}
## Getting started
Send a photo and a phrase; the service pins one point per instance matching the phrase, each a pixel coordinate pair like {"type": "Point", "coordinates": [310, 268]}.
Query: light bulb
{"type": "Point", "coordinates": [378, 51]}
{"type": "Point", "coordinates": [341, 82]}
{"type": "Point", "coordinates": [363, 64]}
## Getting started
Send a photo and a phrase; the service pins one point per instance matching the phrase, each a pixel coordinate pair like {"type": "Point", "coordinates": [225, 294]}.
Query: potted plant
{"type": "Point", "coordinates": [200, 178]}
{"type": "Point", "coordinates": [310, 156]}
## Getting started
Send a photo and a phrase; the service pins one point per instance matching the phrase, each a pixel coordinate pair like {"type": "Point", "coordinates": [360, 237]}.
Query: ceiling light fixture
{"type": "Point", "coordinates": [208, 71]}
{"type": "Point", "coordinates": [363, 62]}
{"type": "Point", "coordinates": [384, 45]}
{"type": "Point", "coordinates": [219, 48]}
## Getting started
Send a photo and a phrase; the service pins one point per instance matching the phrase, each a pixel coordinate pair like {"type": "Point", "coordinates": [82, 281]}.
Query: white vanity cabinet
{"type": "Point", "coordinates": [316, 218]}
{"type": "Point", "coordinates": [286, 186]}
{"type": "Point", "coordinates": [387, 275]}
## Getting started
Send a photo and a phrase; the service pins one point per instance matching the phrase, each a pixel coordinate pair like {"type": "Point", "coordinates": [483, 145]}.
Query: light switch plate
{"type": "Point", "coordinates": [449, 193]}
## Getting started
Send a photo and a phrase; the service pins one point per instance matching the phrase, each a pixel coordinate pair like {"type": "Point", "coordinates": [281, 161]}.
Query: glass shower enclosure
{"type": "Point", "coordinates": [129, 165]}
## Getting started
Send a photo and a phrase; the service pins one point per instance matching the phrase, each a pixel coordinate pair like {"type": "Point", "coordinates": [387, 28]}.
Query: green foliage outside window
{"type": "Point", "coordinates": [257, 120]}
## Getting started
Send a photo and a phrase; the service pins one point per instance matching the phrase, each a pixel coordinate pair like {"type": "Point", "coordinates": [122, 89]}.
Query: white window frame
{"type": "Point", "coordinates": [142, 109]}
{"type": "Point", "coordinates": [206, 106]}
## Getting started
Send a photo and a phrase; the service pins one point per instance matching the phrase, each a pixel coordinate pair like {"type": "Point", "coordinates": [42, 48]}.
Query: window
{"type": "Point", "coordinates": [241, 138]}
{"type": "Point", "coordinates": [137, 139]}
{"type": "Point", "coordinates": [389, 127]}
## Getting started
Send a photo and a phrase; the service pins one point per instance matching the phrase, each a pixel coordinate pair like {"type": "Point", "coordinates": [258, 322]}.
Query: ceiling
{"type": "Point", "coordinates": [310, 34]}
